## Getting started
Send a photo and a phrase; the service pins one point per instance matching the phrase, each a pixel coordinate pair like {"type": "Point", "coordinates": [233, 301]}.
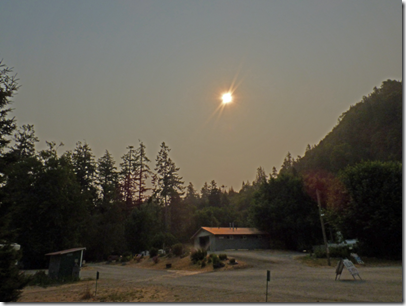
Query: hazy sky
{"type": "Point", "coordinates": [113, 72]}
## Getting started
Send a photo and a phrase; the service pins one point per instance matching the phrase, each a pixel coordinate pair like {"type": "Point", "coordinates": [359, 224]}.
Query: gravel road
{"type": "Point", "coordinates": [291, 281]}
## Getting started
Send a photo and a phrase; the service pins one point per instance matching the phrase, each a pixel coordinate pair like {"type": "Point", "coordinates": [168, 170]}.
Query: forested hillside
{"type": "Point", "coordinates": [369, 130]}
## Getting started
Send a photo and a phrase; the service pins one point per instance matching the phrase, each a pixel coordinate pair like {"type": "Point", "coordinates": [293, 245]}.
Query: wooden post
{"type": "Point", "coordinates": [268, 278]}
{"type": "Point", "coordinates": [97, 277]}
{"type": "Point", "coordinates": [322, 228]}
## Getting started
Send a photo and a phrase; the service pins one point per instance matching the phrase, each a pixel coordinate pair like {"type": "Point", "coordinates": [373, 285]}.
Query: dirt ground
{"type": "Point", "coordinates": [384, 284]}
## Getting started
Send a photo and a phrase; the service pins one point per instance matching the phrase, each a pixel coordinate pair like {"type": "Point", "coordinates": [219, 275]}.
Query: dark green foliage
{"type": "Point", "coordinates": [177, 249]}
{"type": "Point", "coordinates": [215, 259]}
{"type": "Point", "coordinates": [11, 281]}
{"type": "Point", "coordinates": [283, 209]}
{"type": "Point", "coordinates": [8, 88]}
{"type": "Point", "coordinates": [141, 228]}
{"type": "Point", "coordinates": [216, 262]}
{"type": "Point", "coordinates": [223, 256]}
{"type": "Point", "coordinates": [127, 256]}
{"type": "Point", "coordinates": [197, 255]}
{"type": "Point", "coordinates": [45, 186]}
{"type": "Point", "coordinates": [164, 240]}
{"type": "Point", "coordinates": [374, 212]}
{"type": "Point", "coordinates": [232, 261]}
{"type": "Point", "coordinates": [153, 252]}
{"type": "Point", "coordinates": [336, 252]}
{"type": "Point", "coordinates": [369, 130]}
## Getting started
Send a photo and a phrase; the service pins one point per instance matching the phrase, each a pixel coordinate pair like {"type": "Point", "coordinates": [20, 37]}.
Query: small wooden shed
{"type": "Point", "coordinates": [66, 263]}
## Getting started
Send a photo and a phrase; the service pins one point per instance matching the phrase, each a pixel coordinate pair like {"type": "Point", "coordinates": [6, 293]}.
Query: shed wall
{"type": "Point", "coordinates": [239, 242]}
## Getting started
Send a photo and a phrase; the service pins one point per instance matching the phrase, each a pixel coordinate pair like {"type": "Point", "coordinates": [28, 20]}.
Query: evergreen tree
{"type": "Point", "coordinates": [107, 179]}
{"type": "Point", "coordinates": [84, 165]}
{"type": "Point", "coordinates": [167, 180]}
{"type": "Point", "coordinates": [48, 210]}
{"type": "Point", "coordinates": [127, 178]}
{"type": "Point", "coordinates": [24, 142]}
{"type": "Point", "coordinates": [143, 172]}
{"type": "Point", "coordinates": [11, 281]}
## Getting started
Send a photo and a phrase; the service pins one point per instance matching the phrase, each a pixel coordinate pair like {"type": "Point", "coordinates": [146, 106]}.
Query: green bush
{"type": "Point", "coordinates": [127, 256]}
{"type": "Point", "coordinates": [162, 240]}
{"type": "Point", "coordinates": [153, 252]}
{"type": "Point", "coordinates": [177, 249]}
{"type": "Point", "coordinates": [40, 278]}
{"type": "Point", "coordinates": [336, 252]}
{"type": "Point", "coordinates": [215, 259]}
{"type": "Point", "coordinates": [198, 255]}
{"type": "Point", "coordinates": [232, 261]}
{"type": "Point", "coordinates": [223, 256]}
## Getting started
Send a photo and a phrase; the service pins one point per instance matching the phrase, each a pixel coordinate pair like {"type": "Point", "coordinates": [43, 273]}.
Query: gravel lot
{"type": "Point", "coordinates": [291, 281]}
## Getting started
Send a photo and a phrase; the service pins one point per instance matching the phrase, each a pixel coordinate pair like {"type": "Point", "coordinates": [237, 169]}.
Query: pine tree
{"type": "Point", "coordinates": [84, 165]}
{"type": "Point", "coordinates": [143, 172]}
{"type": "Point", "coordinates": [24, 140]}
{"type": "Point", "coordinates": [127, 178]}
{"type": "Point", "coordinates": [107, 179]}
{"type": "Point", "coordinates": [167, 180]}
{"type": "Point", "coordinates": [11, 282]}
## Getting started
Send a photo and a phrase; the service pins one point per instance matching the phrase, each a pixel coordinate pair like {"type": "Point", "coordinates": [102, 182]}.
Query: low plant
{"type": "Point", "coordinates": [177, 249]}
{"type": "Point", "coordinates": [153, 252]}
{"type": "Point", "coordinates": [223, 256]}
{"type": "Point", "coordinates": [155, 259]}
{"type": "Point", "coordinates": [40, 278]}
{"type": "Point", "coordinates": [232, 261]}
{"type": "Point", "coordinates": [197, 255]}
{"type": "Point", "coordinates": [87, 294]}
{"type": "Point", "coordinates": [336, 252]}
{"type": "Point", "coordinates": [215, 258]}
{"type": "Point", "coordinates": [127, 256]}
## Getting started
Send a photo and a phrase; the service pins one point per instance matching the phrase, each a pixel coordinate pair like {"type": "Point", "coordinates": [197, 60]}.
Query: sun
{"type": "Point", "coordinates": [227, 98]}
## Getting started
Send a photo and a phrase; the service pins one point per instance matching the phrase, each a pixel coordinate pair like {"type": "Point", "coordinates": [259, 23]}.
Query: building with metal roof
{"type": "Point", "coordinates": [223, 238]}
{"type": "Point", "coordinates": [65, 263]}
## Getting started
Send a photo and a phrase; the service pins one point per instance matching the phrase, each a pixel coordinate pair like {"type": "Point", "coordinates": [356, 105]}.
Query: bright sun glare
{"type": "Point", "coordinates": [227, 98]}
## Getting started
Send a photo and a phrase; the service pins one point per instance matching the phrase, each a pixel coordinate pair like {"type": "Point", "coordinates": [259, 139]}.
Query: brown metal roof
{"type": "Point", "coordinates": [231, 231]}
{"type": "Point", "coordinates": [65, 251]}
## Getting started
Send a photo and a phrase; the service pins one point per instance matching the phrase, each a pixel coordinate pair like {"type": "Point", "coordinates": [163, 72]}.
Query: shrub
{"type": "Point", "coordinates": [198, 255]}
{"type": "Point", "coordinates": [153, 252]}
{"type": "Point", "coordinates": [163, 239]}
{"type": "Point", "coordinates": [127, 256]}
{"type": "Point", "coordinates": [215, 259]}
{"type": "Point", "coordinates": [337, 252]}
{"type": "Point", "coordinates": [223, 256]}
{"type": "Point", "coordinates": [177, 249]}
{"type": "Point", "coordinates": [232, 261]}
{"type": "Point", "coordinates": [155, 259]}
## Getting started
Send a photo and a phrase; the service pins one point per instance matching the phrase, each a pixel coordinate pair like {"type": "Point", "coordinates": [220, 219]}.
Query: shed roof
{"type": "Point", "coordinates": [65, 251]}
{"type": "Point", "coordinates": [231, 231]}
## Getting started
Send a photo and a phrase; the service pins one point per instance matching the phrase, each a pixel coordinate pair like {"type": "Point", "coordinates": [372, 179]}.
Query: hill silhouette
{"type": "Point", "coordinates": [369, 130]}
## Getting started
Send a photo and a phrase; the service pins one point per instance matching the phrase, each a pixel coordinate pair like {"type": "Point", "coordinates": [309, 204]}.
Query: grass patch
{"type": "Point", "coordinates": [122, 297]}
{"type": "Point", "coordinates": [43, 280]}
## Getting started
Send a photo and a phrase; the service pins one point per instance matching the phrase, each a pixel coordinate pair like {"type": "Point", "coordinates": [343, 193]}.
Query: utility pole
{"type": "Point", "coordinates": [322, 228]}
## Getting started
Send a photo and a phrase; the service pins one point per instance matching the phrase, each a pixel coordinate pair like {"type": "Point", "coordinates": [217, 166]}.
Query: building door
{"type": "Point", "coordinates": [204, 242]}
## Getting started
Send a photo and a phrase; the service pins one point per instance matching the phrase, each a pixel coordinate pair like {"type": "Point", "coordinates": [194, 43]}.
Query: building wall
{"type": "Point", "coordinates": [54, 263]}
{"type": "Point", "coordinates": [240, 242]}
{"type": "Point", "coordinates": [216, 243]}
{"type": "Point", "coordinates": [62, 266]}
